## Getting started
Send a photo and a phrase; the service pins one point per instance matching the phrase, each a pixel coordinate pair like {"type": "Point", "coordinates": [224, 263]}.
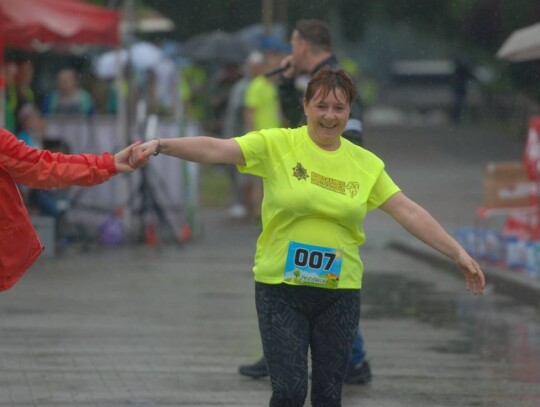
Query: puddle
{"type": "Point", "coordinates": [495, 328]}
{"type": "Point", "coordinates": [393, 296]}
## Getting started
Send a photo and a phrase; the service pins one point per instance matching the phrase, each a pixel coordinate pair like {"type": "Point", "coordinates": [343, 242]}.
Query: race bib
{"type": "Point", "coordinates": [315, 266]}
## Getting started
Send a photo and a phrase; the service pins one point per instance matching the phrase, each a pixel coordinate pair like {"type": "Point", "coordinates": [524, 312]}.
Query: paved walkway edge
{"type": "Point", "coordinates": [522, 287]}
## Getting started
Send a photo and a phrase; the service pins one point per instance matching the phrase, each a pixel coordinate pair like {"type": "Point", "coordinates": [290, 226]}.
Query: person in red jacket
{"type": "Point", "coordinates": [20, 164]}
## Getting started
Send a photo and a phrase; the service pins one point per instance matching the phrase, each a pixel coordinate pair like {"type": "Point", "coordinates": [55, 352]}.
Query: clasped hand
{"type": "Point", "coordinates": [134, 156]}
{"type": "Point", "coordinates": [141, 153]}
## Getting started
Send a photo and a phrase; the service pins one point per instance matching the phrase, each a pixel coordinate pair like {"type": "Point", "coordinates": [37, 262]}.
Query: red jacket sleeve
{"type": "Point", "coordinates": [43, 169]}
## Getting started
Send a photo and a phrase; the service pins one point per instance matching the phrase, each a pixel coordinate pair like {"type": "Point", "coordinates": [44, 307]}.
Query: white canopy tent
{"type": "Point", "coordinates": [522, 45]}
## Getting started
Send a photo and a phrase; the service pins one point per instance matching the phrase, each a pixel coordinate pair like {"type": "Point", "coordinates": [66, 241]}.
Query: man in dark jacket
{"type": "Point", "coordinates": [311, 50]}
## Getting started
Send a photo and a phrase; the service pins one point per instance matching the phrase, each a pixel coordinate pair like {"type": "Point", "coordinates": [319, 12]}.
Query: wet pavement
{"type": "Point", "coordinates": [168, 326]}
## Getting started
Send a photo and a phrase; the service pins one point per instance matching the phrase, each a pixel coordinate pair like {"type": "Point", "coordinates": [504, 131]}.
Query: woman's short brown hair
{"type": "Point", "coordinates": [329, 79]}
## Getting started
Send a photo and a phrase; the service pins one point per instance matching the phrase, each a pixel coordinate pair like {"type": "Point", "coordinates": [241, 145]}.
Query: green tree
{"type": "Point", "coordinates": [477, 27]}
{"type": "Point", "coordinates": [478, 23]}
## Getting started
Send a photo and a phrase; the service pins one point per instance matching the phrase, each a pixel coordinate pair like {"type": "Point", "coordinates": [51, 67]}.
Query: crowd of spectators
{"type": "Point", "coordinates": [223, 98]}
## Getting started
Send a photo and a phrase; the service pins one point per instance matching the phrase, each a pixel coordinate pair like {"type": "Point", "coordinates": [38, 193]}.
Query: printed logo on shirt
{"type": "Point", "coordinates": [328, 183]}
{"type": "Point", "coordinates": [300, 172]}
{"type": "Point", "coordinates": [332, 184]}
{"type": "Point", "coordinates": [353, 188]}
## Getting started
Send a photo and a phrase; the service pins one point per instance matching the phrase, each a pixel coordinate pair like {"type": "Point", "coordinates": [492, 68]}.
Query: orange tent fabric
{"type": "Point", "coordinates": [57, 21]}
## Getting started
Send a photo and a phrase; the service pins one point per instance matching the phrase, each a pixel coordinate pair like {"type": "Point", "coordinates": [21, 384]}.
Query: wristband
{"type": "Point", "coordinates": [158, 148]}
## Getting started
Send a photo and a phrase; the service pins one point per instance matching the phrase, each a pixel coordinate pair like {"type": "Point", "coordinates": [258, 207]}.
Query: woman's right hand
{"type": "Point", "coordinates": [123, 162]}
{"type": "Point", "coordinates": [142, 152]}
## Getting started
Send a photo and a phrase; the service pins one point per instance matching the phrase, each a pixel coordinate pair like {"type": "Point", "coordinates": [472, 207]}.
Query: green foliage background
{"type": "Point", "coordinates": [477, 27]}
{"type": "Point", "coordinates": [483, 23]}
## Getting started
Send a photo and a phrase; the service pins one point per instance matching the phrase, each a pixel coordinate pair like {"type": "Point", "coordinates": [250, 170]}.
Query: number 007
{"type": "Point", "coordinates": [314, 259]}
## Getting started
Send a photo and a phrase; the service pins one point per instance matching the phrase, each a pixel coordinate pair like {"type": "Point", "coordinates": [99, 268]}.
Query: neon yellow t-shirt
{"type": "Point", "coordinates": [313, 207]}
{"type": "Point", "coordinates": [261, 95]}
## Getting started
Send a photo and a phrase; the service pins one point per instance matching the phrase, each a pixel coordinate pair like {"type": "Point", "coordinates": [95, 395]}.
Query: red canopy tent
{"type": "Point", "coordinates": [23, 23]}
{"type": "Point", "coordinates": [67, 21]}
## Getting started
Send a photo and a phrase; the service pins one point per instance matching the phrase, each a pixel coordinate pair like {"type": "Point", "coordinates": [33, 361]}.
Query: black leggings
{"type": "Point", "coordinates": [294, 318]}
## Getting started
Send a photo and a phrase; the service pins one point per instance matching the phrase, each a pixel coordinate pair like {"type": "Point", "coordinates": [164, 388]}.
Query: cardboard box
{"type": "Point", "coordinates": [506, 185]}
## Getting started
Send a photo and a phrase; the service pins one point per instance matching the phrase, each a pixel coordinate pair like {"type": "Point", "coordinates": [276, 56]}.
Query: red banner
{"type": "Point", "coordinates": [531, 156]}
{"type": "Point", "coordinates": [2, 73]}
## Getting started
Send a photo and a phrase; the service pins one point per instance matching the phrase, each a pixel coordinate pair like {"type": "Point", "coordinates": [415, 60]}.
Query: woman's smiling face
{"type": "Point", "coordinates": [327, 115]}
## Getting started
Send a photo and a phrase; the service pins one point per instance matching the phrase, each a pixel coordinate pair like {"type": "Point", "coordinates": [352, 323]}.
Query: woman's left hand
{"type": "Point", "coordinates": [474, 277]}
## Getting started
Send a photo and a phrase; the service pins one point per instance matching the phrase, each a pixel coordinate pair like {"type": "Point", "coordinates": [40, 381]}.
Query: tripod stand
{"type": "Point", "coordinates": [150, 205]}
{"type": "Point", "coordinates": [150, 208]}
